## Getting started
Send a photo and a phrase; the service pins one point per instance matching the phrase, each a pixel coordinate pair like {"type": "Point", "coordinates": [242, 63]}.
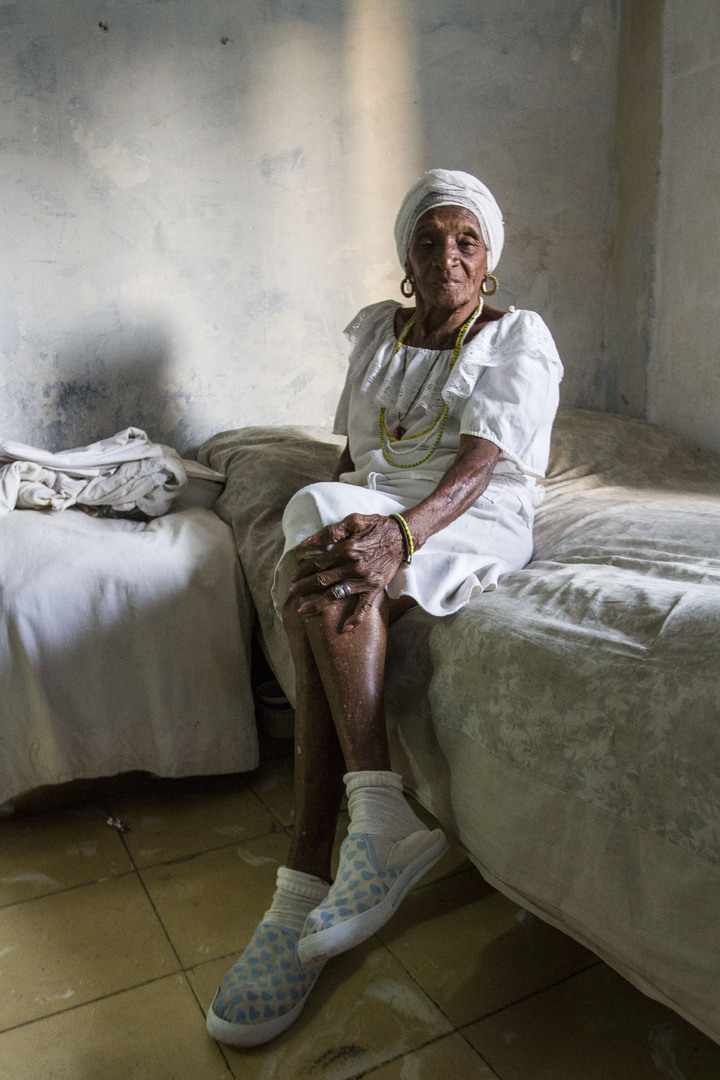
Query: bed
{"type": "Point", "coordinates": [124, 645]}
{"type": "Point", "coordinates": [565, 728]}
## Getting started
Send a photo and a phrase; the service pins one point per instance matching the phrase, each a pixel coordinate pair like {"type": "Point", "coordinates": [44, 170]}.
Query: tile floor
{"type": "Point", "coordinates": [111, 947]}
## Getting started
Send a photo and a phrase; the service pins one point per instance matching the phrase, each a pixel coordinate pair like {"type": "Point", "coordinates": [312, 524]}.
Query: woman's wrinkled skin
{"type": "Point", "coordinates": [338, 645]}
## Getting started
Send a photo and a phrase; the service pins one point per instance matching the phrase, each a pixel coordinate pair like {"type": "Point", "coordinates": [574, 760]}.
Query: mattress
{"type": "Point", "coordinates": [124, 645]}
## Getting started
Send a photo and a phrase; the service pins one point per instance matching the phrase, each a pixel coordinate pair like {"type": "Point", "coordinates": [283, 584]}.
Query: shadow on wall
{"type": "Point", "coordinates": [118, 380]}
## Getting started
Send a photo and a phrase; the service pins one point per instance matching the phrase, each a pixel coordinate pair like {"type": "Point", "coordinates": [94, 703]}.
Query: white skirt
{"type": "Point", "coordinates": [468, 556]}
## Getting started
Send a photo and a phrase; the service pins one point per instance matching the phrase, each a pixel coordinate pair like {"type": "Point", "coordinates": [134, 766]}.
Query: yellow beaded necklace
{"type": "Point", "coordinates": [442, 416]}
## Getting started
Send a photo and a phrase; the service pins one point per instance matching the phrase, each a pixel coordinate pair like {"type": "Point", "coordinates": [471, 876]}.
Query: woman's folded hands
{"type": "Point", "coordinates": [355, 557]}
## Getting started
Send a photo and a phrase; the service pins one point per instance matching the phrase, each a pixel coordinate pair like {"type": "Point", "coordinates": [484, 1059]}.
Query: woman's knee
{"type": "Point", "coordinates": [328, 620]}
{"type": "Point", "coordinates": [292, 622]}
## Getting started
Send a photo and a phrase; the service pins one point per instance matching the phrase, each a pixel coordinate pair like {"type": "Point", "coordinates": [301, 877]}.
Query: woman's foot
{"type": "Point", "coordinates": [365, 895]}
{"type": "Point", "coordinates": [386, 851]}
{"type": "Point", "coordinates": [265, 990]}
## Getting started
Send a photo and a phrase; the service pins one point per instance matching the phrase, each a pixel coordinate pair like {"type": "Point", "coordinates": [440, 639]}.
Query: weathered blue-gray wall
{"type": "Point", "coordinates": [196, 197]}
{"type": "Point", "coordinates": [684, 370]}
{"type": "Point", "coordinates": [638, 138]}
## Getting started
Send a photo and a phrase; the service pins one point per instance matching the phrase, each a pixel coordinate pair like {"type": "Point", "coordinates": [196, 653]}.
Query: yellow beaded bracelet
{"type": "Point", "coordinates": [407, 538]}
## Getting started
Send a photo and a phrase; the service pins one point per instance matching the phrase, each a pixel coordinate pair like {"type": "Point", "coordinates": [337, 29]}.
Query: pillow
{"type": "Point", "coordinates": [621, 450]}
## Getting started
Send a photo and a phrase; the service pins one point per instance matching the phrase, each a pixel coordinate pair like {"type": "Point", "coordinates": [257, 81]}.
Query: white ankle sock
{"type": "Point", "coordinates": [377, 807]}
{"type": "Point", "coordinates": [296, 895]}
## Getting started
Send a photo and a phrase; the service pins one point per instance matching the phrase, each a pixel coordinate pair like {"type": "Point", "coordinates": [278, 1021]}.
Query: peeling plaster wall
{"type": "Point", "coordinates": [684, 376]}
{"type": "Point", "coordinates": [638, 135]}
{"type": "Point", "coordinates": [198, 197]}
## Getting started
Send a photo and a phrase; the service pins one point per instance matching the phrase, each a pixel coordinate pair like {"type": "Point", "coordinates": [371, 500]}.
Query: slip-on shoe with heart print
{"type": "Point", "coordinates": [264, 991]}
{"type": "Point", "coordinates": [365, 895]}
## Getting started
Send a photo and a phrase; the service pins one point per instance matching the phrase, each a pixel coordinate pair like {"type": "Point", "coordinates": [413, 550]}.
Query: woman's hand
{"type": "Point", "coordinates": [357, 556]}
{"type": "Point", "coordinates": [360, 555]}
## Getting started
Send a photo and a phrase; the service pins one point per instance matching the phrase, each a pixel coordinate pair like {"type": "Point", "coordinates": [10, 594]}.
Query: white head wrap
{"type": "Point", "coordinates": [442, 187]}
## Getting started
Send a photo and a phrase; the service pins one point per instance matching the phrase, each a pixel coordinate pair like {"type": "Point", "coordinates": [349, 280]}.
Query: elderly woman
{"type": "Point", "coordinates": [447, 409]}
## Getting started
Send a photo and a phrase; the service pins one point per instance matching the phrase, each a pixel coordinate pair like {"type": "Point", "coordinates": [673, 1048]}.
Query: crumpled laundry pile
{"type": "Point", "coordinates": [126, 473]}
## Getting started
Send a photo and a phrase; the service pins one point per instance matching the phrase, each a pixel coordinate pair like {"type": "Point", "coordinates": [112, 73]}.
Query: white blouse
{"type": "Point", "coordinates": [504, 387]}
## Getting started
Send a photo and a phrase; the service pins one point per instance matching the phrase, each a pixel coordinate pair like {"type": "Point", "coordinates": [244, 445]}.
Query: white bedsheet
{"type": "Point", "coordinates": [123, 646]}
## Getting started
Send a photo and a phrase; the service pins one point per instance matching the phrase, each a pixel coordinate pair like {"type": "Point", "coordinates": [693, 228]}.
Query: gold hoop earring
{"type": "Point", "coordinates": [407, 287]}
{"type": "Point", "coordinates": [484, 287]}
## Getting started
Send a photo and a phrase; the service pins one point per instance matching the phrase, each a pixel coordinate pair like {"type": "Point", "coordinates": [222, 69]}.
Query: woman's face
{"type": "Point", "coordinates": [447, 258]}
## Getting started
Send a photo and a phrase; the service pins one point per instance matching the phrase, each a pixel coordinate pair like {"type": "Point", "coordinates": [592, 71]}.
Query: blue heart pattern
{"type": "Point", "coordinates": [360, 885]}
{"type": "Point", "coordinates": [267, 980]}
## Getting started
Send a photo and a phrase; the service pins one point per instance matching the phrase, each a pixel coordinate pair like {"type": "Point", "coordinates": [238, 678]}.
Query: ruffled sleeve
{"type": "Point", "coordinates": [372, 334]}
{"type": "Point", "coordinates": [509, 378]}
{"type": "Point", "coordinates": [340, 424]}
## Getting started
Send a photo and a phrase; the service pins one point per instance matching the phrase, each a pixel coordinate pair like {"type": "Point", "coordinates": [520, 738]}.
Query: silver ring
{"type": "Point", "coordinates": [341, 589]}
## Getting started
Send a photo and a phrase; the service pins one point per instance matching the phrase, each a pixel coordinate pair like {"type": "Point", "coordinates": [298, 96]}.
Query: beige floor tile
{"type": "Point", "coordinates": [473, 951]}
{"type": "Point", "coordinates": [170, 819]}
{"type": "Point", "coordinates": [273, 783]}
{"type": "Point", "coordinates": [154, 1032]}
{"type": "Point", "coordinates": [450, 1057]}
{"type": "Point", "coordinates": [60, 951]}
{"type": "Point", "coordinates": [211, 904]}
{"type": "Point", "coordinates": [47, 852]}
{"type": "Point", "coordinates": [363, 1011]}
{"type": "Point", "coordinates": [594, 1026]}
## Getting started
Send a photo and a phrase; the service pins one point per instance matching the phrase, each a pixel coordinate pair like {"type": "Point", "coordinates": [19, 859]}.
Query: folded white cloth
{"type": "Point", "coordinates": [126, 472]}
{"type": "Point", "coordinates": [131, 444]}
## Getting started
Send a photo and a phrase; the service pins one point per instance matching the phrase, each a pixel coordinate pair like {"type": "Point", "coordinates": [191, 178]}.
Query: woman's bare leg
{"type": "Point", "coordinates": [340, 719]}
{"type": "Point", "coordinates": [319, 762]}
{"type": "Point", "coordinates": [387, 842]}
{"type": "Point", "coordinates": [352, 668]}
